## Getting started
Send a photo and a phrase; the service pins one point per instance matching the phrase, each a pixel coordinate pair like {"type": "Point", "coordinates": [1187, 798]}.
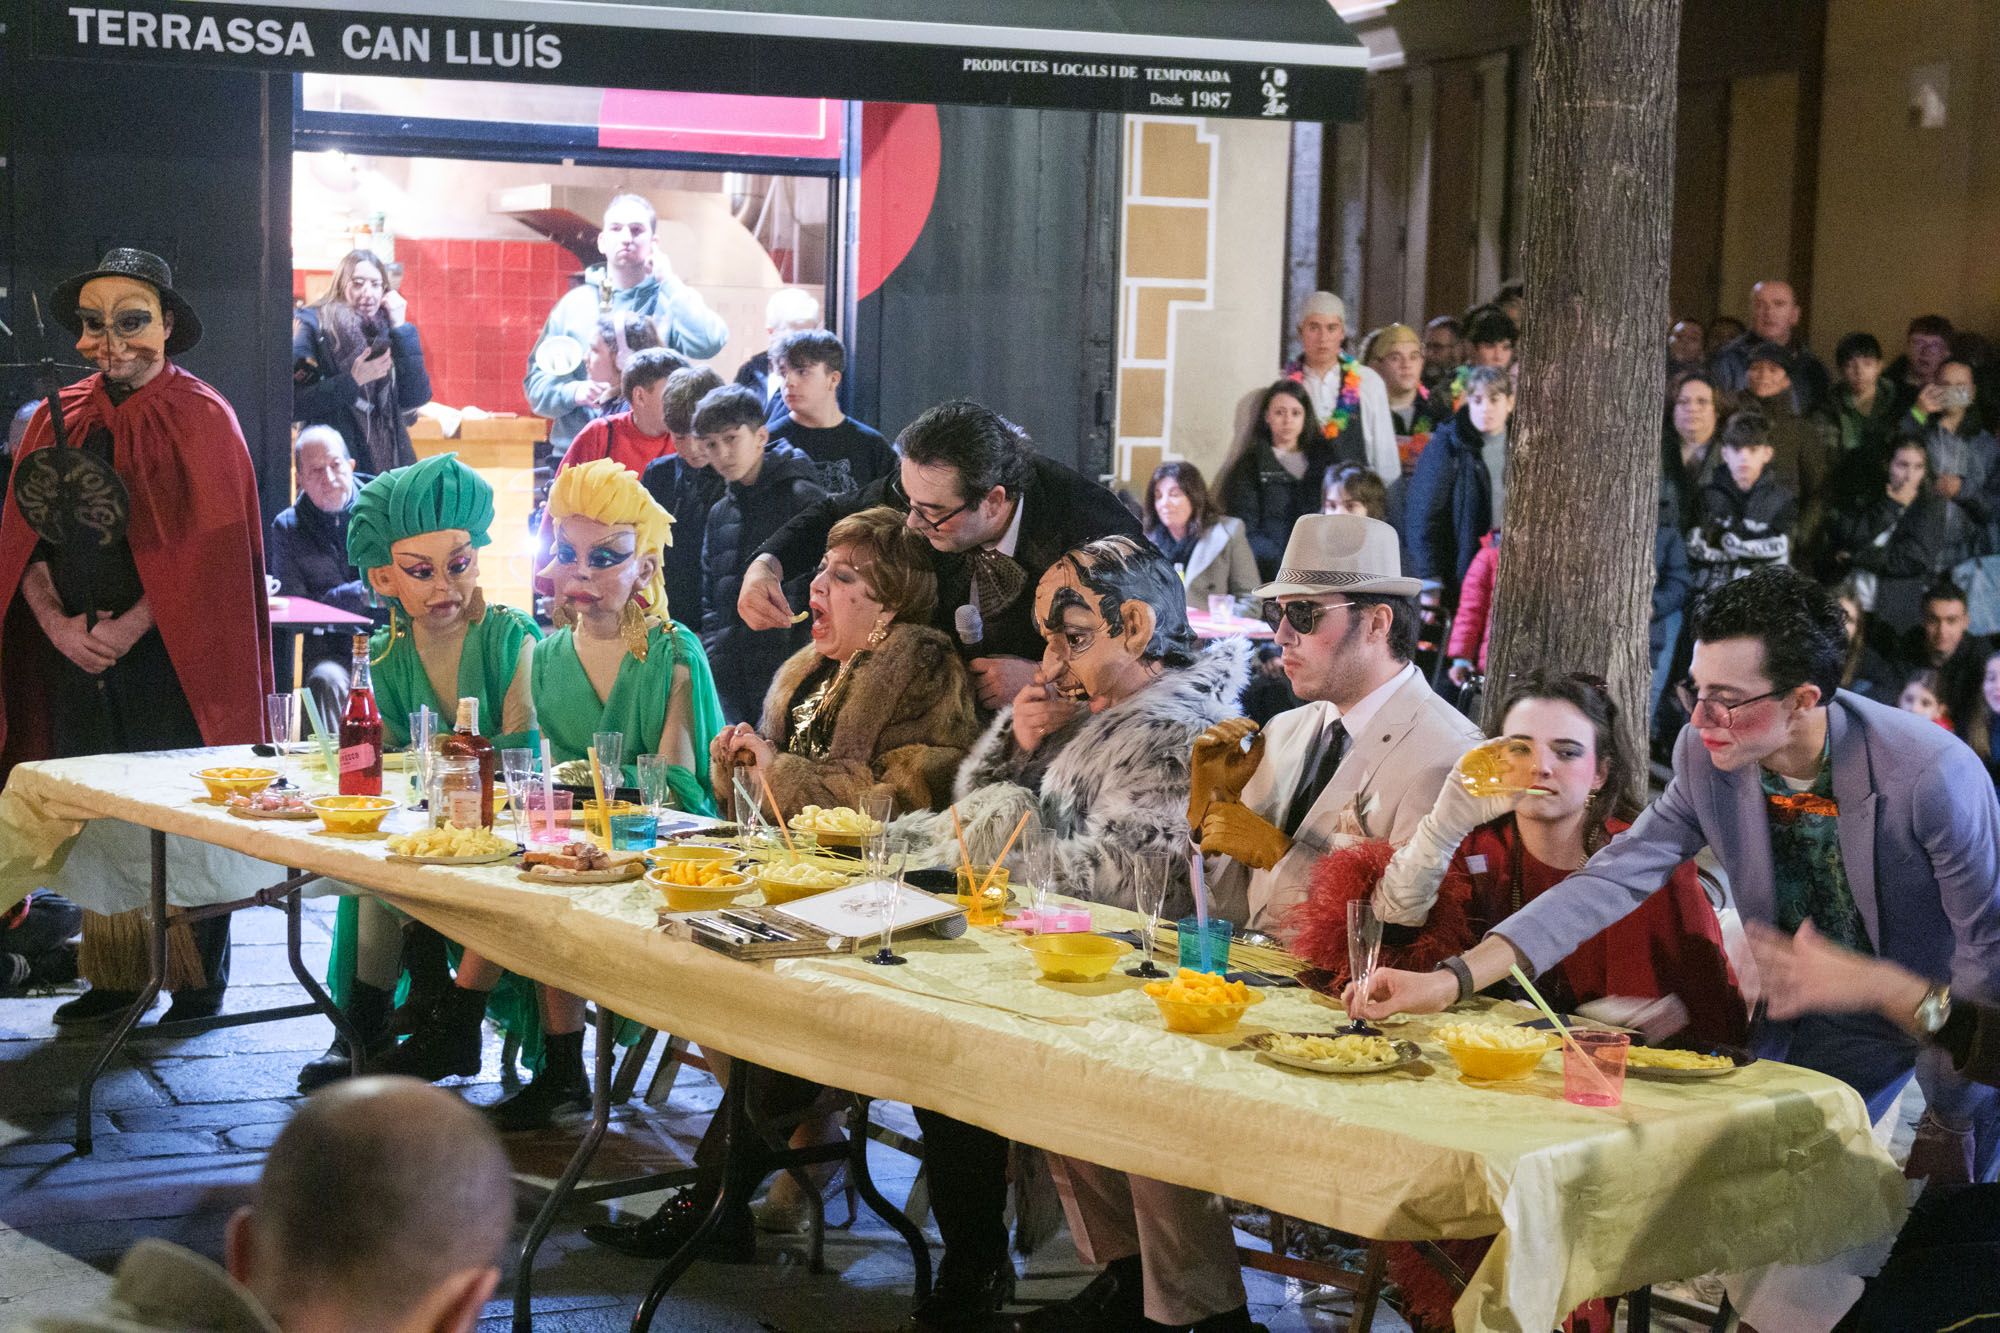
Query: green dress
{"type": "Point", "coordinates": [486, 667]}
{"type": "Point", "coordinates": [567, 707]}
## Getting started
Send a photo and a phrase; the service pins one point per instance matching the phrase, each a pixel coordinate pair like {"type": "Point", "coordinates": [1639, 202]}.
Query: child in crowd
{"type": "Point", "coordinates": [683, 484]}
{"type": "Point", "coordinates": [766, 482]}
{"type": "Point", "coordinates": [1353, 489]}
{"type": "Point", "coordinates": [621, 335]}
{"type": "Point", "coordinates": [847, 453]}
{"type": "Point", "coordinates": [638, 434]}
{"type": "Point", "coordinates": [1746, 514]}
{"type": "Point", "coordinates": [1921, 696]}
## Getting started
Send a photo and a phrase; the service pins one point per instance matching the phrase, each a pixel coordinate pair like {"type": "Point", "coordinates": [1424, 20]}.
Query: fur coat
{"type": "Point", "coordinates": [903, 719]}
{"type": "Point", "coordinates": [1112, 786]}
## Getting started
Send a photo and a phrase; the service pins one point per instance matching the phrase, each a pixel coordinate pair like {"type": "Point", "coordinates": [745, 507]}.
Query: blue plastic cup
{"type": "Point", "coordinates": [1204, 950]}
{"type": "Point", "coordinates": [635, 831]}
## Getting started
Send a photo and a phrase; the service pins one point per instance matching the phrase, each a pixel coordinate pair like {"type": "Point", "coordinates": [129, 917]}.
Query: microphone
{"type": "Point", "coordinates": [971, 630]}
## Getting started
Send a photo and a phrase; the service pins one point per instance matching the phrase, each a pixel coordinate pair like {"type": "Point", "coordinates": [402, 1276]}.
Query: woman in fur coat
{"type": "Point", "coordinates": [879, 701]}
{"type": "Point", "coordinates": [1097, 745]}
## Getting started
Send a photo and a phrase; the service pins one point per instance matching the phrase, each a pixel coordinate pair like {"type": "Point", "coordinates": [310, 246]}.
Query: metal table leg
{"type": "Point", "coordinates": [857, 1166]}
{"type": "Point", "coordinates": [156, 969]}
{"type": "Point", "coordinates": [321, 1000]}
{"type": "Point", "coordinates": [600, 1119]}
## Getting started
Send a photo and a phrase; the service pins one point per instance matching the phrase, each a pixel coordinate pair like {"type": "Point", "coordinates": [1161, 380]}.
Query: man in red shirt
{"type": "Point", "coordinates": [638, 435]}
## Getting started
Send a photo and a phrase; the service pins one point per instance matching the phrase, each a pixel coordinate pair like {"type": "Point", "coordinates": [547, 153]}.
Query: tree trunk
{"type": "Point", "coordinates": [1576, 561]}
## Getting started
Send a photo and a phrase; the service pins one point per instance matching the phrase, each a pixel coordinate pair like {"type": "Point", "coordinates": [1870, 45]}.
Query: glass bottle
{"type": "Point", "coordinates": [361, 731]}
{"type": "Point", "coordinates": [466, 743]}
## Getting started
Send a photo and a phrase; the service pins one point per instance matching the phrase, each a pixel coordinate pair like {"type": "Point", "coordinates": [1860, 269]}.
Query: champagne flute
{"type": "Point", "coordinates": [1149, 895]}
{"type": "Point", "coordinates": [1364, 944]}
{"type": "Point", "coordinates": [889, 896]}
{"type": "Point", "coordinates": [517, 768]}
{"type": "Point", "coordinates": [610, 758]}
{"type": "Point", "coordinates": [423, 728]}
{"type": "Point", "coordinates": [654, 788]}
{"type": "Point", "coordinates": [280, 712]}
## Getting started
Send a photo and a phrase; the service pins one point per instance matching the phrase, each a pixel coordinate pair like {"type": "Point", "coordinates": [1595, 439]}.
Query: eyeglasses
{"type": "Point", "coordinates": [921, 512]}
{"type": "Point", "coordinates": [1719, 714]}
{"type": "Point", "coordinates": [1303, 617]}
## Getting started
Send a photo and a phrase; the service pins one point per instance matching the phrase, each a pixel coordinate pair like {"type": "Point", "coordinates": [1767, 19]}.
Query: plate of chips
{"type": "Point", "coordinates": [450, 845]}
{"type": "Point", "coordinates": [1334, 1052]}
{"type": "Point", "coordinates": [1672, 1065]}
{"type": "Point", "coordinates": [836, 826]}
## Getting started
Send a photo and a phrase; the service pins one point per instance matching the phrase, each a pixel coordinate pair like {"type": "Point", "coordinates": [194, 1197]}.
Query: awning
{"type": "Point", "coordinates": [1257, 59]}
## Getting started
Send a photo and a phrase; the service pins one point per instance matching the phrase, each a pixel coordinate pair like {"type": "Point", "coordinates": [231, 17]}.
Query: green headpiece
{"type": "Point", "coordinates": [434, 495]}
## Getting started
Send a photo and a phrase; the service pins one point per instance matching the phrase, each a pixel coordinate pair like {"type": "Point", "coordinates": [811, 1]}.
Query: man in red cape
{"type": "Point", "coordinates": [149, 631]}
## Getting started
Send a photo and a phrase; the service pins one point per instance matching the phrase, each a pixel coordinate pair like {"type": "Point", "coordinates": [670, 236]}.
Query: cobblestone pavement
{"type": "Point", "coordinates": [181, 1128]}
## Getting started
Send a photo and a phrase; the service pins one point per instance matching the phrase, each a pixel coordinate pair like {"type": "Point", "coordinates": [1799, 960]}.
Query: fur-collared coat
{"type": "Point", "coordinates": [903, 719]}
{"type": "Point", "coordinates": [1112, 786]}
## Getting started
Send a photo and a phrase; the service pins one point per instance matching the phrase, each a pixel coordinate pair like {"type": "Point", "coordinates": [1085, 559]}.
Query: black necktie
{"type": "Point", "coordinates": [1333, 741]}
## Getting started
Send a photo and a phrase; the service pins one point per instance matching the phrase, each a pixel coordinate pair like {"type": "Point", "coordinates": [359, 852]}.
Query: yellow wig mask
{"type": "Point", "coordinates": [609, 492]}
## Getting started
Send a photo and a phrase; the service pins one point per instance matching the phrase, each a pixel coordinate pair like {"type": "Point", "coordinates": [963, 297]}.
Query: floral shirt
{"type": "Point", "coordinates": [1809, 877]}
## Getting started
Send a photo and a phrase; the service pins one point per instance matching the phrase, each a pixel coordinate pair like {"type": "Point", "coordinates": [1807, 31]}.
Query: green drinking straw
{"type": "Point", "coordinates": [1561, 1031]}
{"type": "Point", "coordinates": [320, 734]}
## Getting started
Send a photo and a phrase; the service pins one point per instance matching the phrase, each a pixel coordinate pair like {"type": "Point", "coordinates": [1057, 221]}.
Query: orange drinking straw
{"type": "Point", "coordinates": [994, 869]}
{"type": "Point", "coordinates": [964, 852]}
{"type": "Point", "coordinates": [777, 815]}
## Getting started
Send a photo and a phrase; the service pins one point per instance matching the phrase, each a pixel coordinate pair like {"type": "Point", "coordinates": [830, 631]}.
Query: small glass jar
{"type": "Point", "coordinates": [456, 792]}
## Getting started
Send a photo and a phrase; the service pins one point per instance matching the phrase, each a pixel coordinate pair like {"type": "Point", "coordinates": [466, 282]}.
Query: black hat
{"type": "Point", "coordinates": [146, 268]}
{"type": "Point", "coordinates": [1766, 350]}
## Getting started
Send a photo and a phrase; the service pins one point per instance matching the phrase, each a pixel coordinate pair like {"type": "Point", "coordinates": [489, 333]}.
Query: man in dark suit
{"type": "Point", "coordinates": [996, 514]}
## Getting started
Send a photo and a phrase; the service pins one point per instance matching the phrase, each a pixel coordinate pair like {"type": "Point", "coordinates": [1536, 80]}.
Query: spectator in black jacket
{"type": "Point", "coordinates": [687, 488]}
{"type": "Point", "coordinates": [1802, 445]}
{"type": "Point", "coordinates": [848, 454]}
{"type": "Point", "coordinates": [1865, 410]}
{"type": "Point", "coordinates": [1926, 347]}
{"type": "Point", "coordinates": [1689, 454]}
{"type": "Point", "coordinates": [358, 364]}
{"type": "Point", "coordinates": [1943, 641]}
{"type": "Point", "coordinates": [1901, 540]}
{"type": "Point", "coordinates": [1774, 318]}
{"type": "Point", "coordinates": [307, 554]}
{"type": "Point", "coordinates": [1746, 513]}
{"type": "Point", "coordinates": [972, 484]}
{"type": "Point", "coordinates": [1458, 492]}
{"type": "Point", "coordinates": [767, 483]}
{"type": "Point", "coordinates": [788, 311]}
{"type": "Point", "coordinates": [1278, 474]}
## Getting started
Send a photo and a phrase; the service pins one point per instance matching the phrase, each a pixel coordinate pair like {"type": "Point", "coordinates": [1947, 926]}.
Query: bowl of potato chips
{"type": "Point", "coordinates": [788, 881]}
{"type": "Point", "coordinates": [228, 781]}
{"type": "Point", "coordinates": [839, 826]}
{"type": "Point", "coordinates": [1495, 1052]}
{"type": "Point", "coordinates": [351, 814]}
{"type": "Point", "coordinates": [1201, 1002]}
{"type": "Point", "coordinates": [1335, 1052]}
{"type": "Point", "coordinates": [697, 885]}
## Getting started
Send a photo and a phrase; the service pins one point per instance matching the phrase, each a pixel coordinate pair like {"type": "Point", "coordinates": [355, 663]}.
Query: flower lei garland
{"type": "Point", "coordinates": [1346, 404]}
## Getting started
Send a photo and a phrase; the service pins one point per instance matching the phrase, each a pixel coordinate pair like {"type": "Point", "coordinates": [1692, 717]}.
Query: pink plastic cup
{"type": "Point", "coordinates": [1594, 1067]}
{"type": "Point", "coordinates": [548, 825]}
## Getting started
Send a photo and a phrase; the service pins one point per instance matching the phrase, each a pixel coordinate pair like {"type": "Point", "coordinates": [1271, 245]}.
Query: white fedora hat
{"type": "Point", "coordinates": [1341, 553]}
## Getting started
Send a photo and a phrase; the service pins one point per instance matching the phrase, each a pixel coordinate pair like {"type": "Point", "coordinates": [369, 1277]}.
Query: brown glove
{"type": "Point", "coordinates": [1240, 833]}
{"type": "Point", "coordinates": [1220, 765]}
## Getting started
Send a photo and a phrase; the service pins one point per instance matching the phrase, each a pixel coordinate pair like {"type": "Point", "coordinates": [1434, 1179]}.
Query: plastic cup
{"type": "Point", "coordinates": [1201, 952]}
{"type": "Point", "coordinates": [1594, 1067]}
{"type": "Point", "coordinates": [548, 824]}
{"type": "Point", "coordinates": [634, 830]}
{"type": "Point", "coordinates": [1221, 606]}
{"type": "Point", "coordinates": [983, 909]}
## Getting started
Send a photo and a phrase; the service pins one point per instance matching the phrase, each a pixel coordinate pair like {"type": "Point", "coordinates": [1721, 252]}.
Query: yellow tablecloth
{"type": "Point", "coordinates": [1772, 1164]}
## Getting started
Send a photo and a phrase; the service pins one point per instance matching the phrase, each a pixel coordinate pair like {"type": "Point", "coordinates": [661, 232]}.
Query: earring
{"type": "Point", "coordinates": [395, 633]}
{"type": "Point", "coordinates": [632, 624]}
{"type": "Point", "coordinates": [563, 614]}
{"type": "Point", "coordinates": [879, 633]}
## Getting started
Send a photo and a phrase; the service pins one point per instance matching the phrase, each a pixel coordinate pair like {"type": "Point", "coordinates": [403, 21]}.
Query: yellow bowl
{"type": "Point", "coordinates": [699, 897]}
{"type": "Point", "coordinates": [351, 814]}
{"type": "Point", "coordinates": [777, 891]}
{"type": "Point", "coordinates": [1075, 957]}
{"type": "Point", "coordinates": [1203, 1018]}
{"type": "Point", "coordinates": [1497, 1066]}
{"type": "Point", "coordinates": [696, 853]}
{"type": "Point", "coordinates": [225, 782]}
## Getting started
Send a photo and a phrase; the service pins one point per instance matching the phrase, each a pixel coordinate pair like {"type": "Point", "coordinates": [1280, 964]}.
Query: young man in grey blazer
{"type": "Point", "coordinates": [1877, 826]}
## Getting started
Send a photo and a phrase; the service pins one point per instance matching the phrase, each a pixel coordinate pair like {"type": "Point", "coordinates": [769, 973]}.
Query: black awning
{"type": "Point", "coordinates": [1257, 59]}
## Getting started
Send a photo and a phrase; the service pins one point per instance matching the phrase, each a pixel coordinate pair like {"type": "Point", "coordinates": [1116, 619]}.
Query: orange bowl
{"type": "Point", "coordinates": [351, 814]}
{"type": "Point", "coordinates": [1202, 1017]}
{"type": "Point", "coordinates": [232, 780]}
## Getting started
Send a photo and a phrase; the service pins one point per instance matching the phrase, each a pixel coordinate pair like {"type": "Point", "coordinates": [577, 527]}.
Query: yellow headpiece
{"type": "Point", "coordinates": [608, 491]}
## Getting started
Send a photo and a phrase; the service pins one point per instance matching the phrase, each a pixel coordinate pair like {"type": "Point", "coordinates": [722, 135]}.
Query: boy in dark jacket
{"type": "Point", "coordinates": [766, 483]}
{"type": "Point", "coordinates": [848, 453]}
{"type": "Point", "coordinates": [1747, 514]}
{"type": "Point", "coordinates": [687, 488]}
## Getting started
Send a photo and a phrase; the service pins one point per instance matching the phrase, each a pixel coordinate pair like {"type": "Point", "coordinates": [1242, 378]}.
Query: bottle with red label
{"type": "Point", "coordinates": [361, 731]}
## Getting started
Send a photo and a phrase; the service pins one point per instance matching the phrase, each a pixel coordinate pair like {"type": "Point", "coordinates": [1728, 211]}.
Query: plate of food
{"type": "Point", "coordinates": [1675, 1065]}
{"type": "Point", "coordinates": [450, 846]}
{"type": "Point", "coordinates": [839, 826]}
{"type": "Point", "coordinates": [581, 863]}
{"type": "Point", "coordinates": [1334, 1052]}
{"type": "Point", "coordinates": [268, 804]}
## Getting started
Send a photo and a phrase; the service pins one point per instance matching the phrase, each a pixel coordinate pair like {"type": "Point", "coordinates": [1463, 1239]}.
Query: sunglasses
{"type": "Point", "coordinates": [1303, 617]}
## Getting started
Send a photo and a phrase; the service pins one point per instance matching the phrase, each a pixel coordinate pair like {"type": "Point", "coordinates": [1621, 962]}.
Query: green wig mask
{"type": "Point", "coordinates": [435, 495]}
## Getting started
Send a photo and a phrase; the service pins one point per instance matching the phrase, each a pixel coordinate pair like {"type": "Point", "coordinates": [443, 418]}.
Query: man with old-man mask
{"type": "Point", "coordinates": [131, 573]}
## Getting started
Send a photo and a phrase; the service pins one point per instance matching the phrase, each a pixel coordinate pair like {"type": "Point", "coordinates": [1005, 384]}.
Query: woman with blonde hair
{"type": "Point", "coordinates": [358, 364]}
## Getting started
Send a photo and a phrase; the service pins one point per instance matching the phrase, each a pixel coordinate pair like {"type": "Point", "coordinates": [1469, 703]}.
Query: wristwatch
{"type": "Point", "coordinates": [1933, 1010]}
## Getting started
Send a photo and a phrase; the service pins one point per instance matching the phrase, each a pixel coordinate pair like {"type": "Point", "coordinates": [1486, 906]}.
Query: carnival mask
{"type": "Point", "coordinates": [123, 329]}
{"type": "Point", "coordinates": [595, 567]}
{"type": "Point", "coordinates": [1087, 657]}
{"type": "Point", "coordinates": [434, 576]}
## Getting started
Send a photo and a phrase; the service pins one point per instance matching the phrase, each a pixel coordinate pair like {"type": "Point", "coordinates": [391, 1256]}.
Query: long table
{"type": "Point", "coordinates": [1773, 1164]}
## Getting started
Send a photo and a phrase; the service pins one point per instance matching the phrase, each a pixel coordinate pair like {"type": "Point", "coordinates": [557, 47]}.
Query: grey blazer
{"type": "Point", "coordinates": [1919, 836]}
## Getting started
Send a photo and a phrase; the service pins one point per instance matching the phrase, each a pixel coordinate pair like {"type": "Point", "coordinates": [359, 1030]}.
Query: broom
{"type": "Point", "coordinates": [113, 955]}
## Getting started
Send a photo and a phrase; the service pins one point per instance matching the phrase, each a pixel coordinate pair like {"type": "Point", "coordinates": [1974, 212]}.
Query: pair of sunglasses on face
{"type": "Point", "coordinates": [1303, 617]}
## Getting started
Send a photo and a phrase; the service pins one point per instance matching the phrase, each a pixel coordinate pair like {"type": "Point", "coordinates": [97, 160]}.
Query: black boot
{"type": "Point", "coordinates": [447, 1042]}
{"type": "Point", "coordinates": [368, 1010]}
{"type": "Point", "coordinates": [734, 1241]}
{"type": "Point", "coordinates": [430, 973]}
{"type": "Point", "coordinates": [562, 1088]}
{"type": "Point", "coordinates": [211, 941]}
{"type": "Point", "coordinates": [965, 1297]}
{"type": "Point", "coordinates": [95, 1005]}
{"type": "Point", "coordinates": [1114, 1302]}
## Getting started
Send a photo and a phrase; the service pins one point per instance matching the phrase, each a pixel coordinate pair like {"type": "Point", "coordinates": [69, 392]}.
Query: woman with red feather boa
{"type": "Point", "coordinates": [1474, 861]}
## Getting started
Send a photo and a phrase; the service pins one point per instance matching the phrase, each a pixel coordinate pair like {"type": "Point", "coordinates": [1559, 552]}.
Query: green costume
{"type": "Point", "coordinates": [568, 710]}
